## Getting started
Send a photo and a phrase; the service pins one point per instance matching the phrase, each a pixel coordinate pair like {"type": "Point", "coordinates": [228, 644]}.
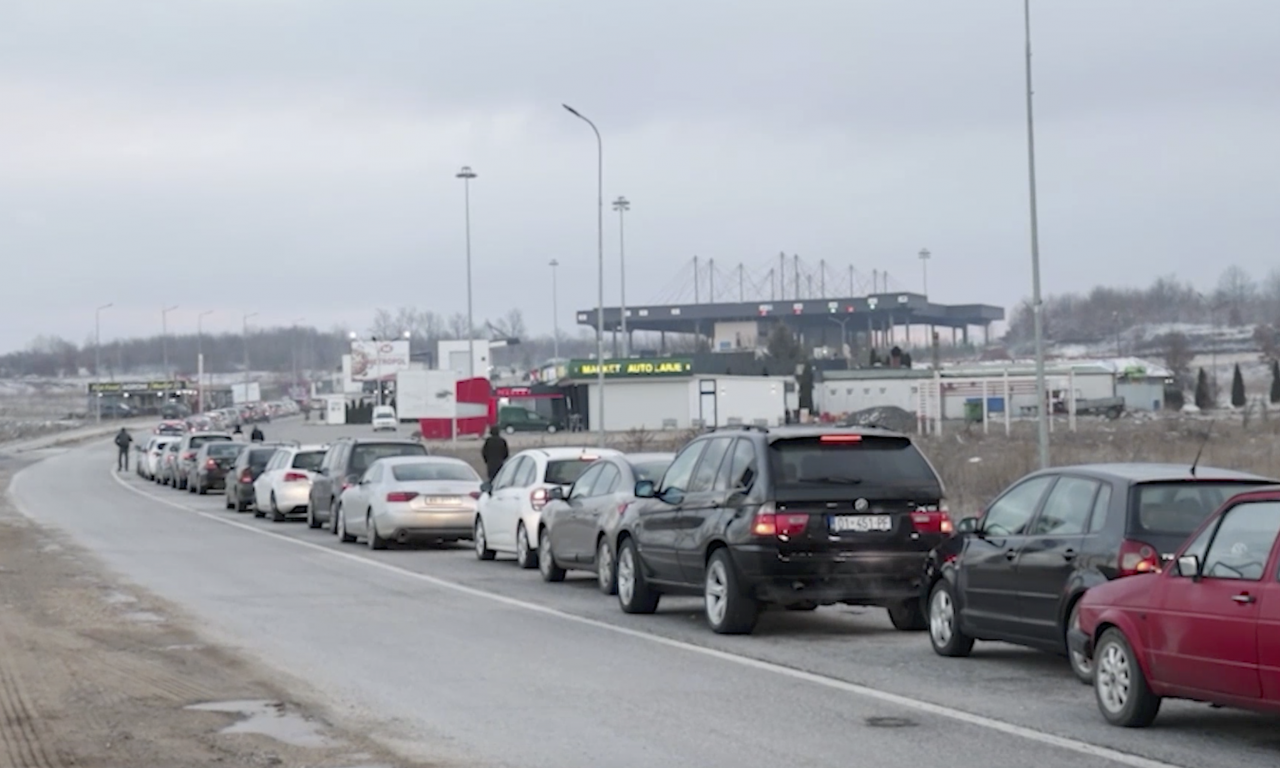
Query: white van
{"type": "Point", "coordinates": [384, 417]}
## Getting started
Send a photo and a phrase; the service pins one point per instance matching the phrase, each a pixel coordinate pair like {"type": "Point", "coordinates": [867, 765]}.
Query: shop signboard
{"type": "Point", "coordinates": [632, 369]}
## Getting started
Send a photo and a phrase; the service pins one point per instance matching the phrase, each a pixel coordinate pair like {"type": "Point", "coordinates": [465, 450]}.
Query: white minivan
{"type": "Point", "coordinates": [384, 417]}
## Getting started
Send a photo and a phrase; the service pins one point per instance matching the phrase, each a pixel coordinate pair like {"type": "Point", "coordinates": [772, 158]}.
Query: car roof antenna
{"type": "Point", "coordinates": [1200, 451]}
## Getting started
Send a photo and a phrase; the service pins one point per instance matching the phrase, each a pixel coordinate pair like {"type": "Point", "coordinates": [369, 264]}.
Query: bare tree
{"type": "Point", "coordinates": [1236, 291]}
{"type": "Point", "coordinates": [458, 327]}
{"type": "Point", "coordinates": [1176, 350]}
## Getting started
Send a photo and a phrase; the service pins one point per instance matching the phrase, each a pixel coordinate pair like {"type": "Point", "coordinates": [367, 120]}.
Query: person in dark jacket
{"type": "Point", "coordinates": [237, 430]}
{"type": "Point", "coordinates": [256, 435]}
{"type": "Point", "coordinates": [123, 441]}
{"type": "Point", "coordinates": [494, 452]}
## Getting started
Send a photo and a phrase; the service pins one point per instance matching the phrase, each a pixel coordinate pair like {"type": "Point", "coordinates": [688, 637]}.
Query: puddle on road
{"type": "Point", "coordinates": [271, 719]}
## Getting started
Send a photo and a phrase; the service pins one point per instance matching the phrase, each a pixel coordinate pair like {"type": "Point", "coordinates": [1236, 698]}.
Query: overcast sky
{"type": "Point", "coordinates": [297, 157]}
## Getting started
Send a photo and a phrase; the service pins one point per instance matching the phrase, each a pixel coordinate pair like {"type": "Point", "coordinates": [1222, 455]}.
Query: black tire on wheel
{"type": "Point", "coordinates": [1114, 661]}
{"type": "Point", "coordinates": [730, 609]}
{"type": "Point", "coordinates": [908, 616]}
{"type": "Point", "coordinates": [258, 512]}
{"type": "Point", "coordinates": [226, 501]}
{"type": "Point", "coordinates": [374, 540]}
{"type": "Point", "coordinates": [526, 555]}
{"type": "Point", "coordinates": [340, 526]}
{"type": "Point", "coordinates": [606, 569]}
{"type": "Point", "coordinates": [1081, 667]}
{"type": "Point", "coordinates": [202, 490]}
{"type": "Point", "coordinates": [634, 593]}
{"type": "Point", "coordinates": [945, 634]}
{"type": "Point", "coordinates": [551, 572]}
{"type": "Point", "coordinates": [482, 542]}
{"type": "Point", "coordinates": [312, 520]}
{"type": "Point", "coordinates": [802, 607]}
{"type": "Point", "coordinates": [276, 515]}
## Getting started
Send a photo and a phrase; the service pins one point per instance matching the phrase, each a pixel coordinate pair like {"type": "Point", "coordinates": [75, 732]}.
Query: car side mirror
{"type": "Point", "coordinates": [555, 494]}
{"type": "Point", "coordinates": [671, 496]}
{"type": "Point", "coordinates": [967, 525]}
{"type": "Point", "coordinates": [486, 487]}
{"type": "Point", "coordinates": [645, 489]}
{"type": "Point", "coordinates": [1189, 567]}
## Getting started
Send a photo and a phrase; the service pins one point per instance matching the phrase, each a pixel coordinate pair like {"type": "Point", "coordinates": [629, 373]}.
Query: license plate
{"type": "Point", "coordinates": [441, 501]}
{"type": "Point", "coordinates": [861, 523]}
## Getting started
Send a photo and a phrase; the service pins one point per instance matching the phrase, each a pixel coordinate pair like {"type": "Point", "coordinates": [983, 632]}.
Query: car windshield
{"type": "Point", "coordinates": [841, 460]}
{"type": "Point", "coordinates": [308, 460]}
{"type": "Point", "coordinates": [364, 454]}
{"type": "Point", "coordinates": [223, 449]}
{"type": "Point", "coordinates": [566, 471]}
{"type": "Point", "coordinates": [434, 470]}
{"type": "Point", "coordinates": [259, 457]}
{"type": "Point", "coordinates": [200, 440]}
{"type": "Point", "coordinates": [650, 470]}
{"type": "Point", "coordinates": [1178, 508]}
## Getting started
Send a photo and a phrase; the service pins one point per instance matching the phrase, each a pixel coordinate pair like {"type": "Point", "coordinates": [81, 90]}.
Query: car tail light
{"type": "Point", "coordinates": [1138, 557]}
{"type": "Point", "coordinates": [401, 496]}
{"type": "Point", "coordinates": [770, 522]}
{"type": "Point", "coordinates": [295, 477]}
{"type": "Point", "coordinates": [246, 476]}
{"type": "Point", "coordinates": [210, 464]}
{"type": "Point", "coordinates": [932, 519]}
{"type": "Point", "coordinates": [538, 499]}
{"type": "Point", "coordinates": [840, 439]}
{"type": "Point", "coordinates": [474, 495]}
{"type": "Point", "coordinates": [189, 456]}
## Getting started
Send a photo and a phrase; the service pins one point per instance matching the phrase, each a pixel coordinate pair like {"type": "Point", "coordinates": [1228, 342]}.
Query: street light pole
{"type": "Point", "coordinates": [97, 356]}
{"type": "Point", "coordinates": [924, 266]}
{"type": "Point", "coordinates": [555, 312]}
{"type": "Point", "coordinates": [294, 345]}
{"type": "Point", "coordinates": [246, 353]}
{"type": "Point", "coordinates": [164, 346]}
{"type": "Point", "coordinates": [200, 358]}
{"type": "Point", "coordinates": [599, 268]}
{"type": "Point", "coordinates": [1037, 307]}
{"type": "Point", "coordinates": [466, 174]}
{"type": "Point", "coordinates": [622, 205]}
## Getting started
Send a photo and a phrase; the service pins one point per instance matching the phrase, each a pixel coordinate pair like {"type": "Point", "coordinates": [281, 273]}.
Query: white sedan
{"type": "Point", "coordinates": [511, 506]}
{"type": "Point", "coordinates": [410, 498]}
{"type": "Point", "coordinates": [284, 487]}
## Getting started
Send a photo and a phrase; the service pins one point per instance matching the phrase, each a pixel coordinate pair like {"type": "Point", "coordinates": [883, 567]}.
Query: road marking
{"type": "Point", "coordinates": [906, 702]}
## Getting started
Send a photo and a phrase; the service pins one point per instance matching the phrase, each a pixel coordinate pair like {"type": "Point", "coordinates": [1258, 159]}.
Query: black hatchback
{"type": "Point", "coordinates": [790, 516]}
{"type": "Point", "coordinates": [1015, 573]}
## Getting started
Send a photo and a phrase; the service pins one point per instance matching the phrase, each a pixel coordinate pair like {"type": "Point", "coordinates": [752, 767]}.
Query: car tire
{"type": "Point", "coordinates": [1081, 667]}
{"type": "Point", "coordinates": [258, 512]}
{"type": "Point", "coordinates": [606, 573]}
{"type": "Point", "coordinates": [374, 541]}
{"type": "Point", "coordinates": [730, 609]}
{"type": "Point", "coordinates": [546, 560]}
{"type": "Point", "coordinates": [240, 505]}
{"type": "Point", "coordinates": [312, 521]}
{"type": "Point", "coordinates": [202, 490]}
{"type": "Point", "coordinates": [1121, 689]}
{"type": "Point", "coordinates": [226, 501]}
{"type": "Point", "coordinates": [340, 526]}
{"type": "Point", "coordinates": [801, 607]}
{"type": "Point", "coordinates": [526, 556]}
{"type": "Point", "coordinates": [945, 634]}
{"type": "Point", "coordinates": [634, 593]}
{"type": "Point", "coordinates": [481, 542]}
{"type": "Point", "coordinates": [276, 515]}
{"type": "Point", "coordinates": [908, 616]}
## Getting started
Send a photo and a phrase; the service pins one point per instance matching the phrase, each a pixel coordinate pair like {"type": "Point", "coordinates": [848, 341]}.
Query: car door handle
{"type": "Point", "coordinates": [1010, 554]}
{"type": "Point", "coordinates": [1244, 599]}
{"type": "Point", "coordinates": [1069, 555]}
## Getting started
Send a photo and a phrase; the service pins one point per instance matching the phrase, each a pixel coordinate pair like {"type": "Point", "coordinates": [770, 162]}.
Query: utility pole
{"type": "Point", "coordinates": [1037, 306]}
{"type": "Point", "coordinates": [200, 358]}
{"type": "Point", "coordinates": [622, 205]}
{"type": "Point", "coordinates": [466, 174]}
{"type": "Point", "coordinates": [97, 356]}
{"type": "Point", "coordinates": [555, 312]}
{"type": "Point", "coordinates": [246, 353]}
{"type": "Point", "coordinates": [924, 266]}
{"type": "Point", "coordinates": [164, 346]}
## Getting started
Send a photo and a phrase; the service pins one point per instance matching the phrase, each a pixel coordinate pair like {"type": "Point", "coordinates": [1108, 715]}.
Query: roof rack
{"type": "Point", "coordinates": [740, 427]}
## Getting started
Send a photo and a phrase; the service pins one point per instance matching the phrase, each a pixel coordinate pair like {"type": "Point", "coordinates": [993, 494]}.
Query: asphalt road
{"type": "Point", "coordinates": [447, 658]}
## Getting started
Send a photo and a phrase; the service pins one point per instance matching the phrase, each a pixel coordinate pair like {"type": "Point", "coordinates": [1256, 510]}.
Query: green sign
{"type": "Point", "coordinates": [108, 387]}
{"type": "Point", "coordinates": [632, 369]}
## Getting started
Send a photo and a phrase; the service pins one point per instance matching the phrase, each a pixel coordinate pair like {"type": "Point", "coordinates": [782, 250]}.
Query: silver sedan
{"type": "Point", "coordinates": [410, 498]}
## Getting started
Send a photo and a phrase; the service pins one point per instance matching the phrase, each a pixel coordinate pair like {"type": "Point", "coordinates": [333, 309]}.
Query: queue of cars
{"type": "Point", "coordinates": [1152, 580]}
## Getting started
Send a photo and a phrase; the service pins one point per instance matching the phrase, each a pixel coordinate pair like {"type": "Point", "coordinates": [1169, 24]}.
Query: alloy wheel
{"type": "Point", "coordinates": [604, 566]}
{"type": "Point", "coordinates": [626, 576]}
{"type": "Point", "coordinates": [1114, 678]}
{"type": "Point", "coordinates": [717, 592]}
{"type": "Point", "coordinates": [942, 617]}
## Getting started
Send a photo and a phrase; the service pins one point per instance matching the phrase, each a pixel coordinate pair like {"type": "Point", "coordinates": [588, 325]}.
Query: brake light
{"type": "Point", "coordinates": [1138, 557]}
{"type": "Point", "coordinates": [932, 519]}
{"type": "Point", "coordinates": [295, 477]}
{"type": "Point", "coordinates": [401, 496]}
{"type": "Point", "coordinates": [211, 464]}
{"type": "Point", "coordinates": [347, 484]}
{"type": "Point", "coordinates": [246, 475]}
{"type": "Point", "coordinates": [538, 499]}
{"type": "Point", "coordinates": [769, 522]}
{"type": "Point", "coordinates": [189, 456]}
{"type": "Point", "coordinates": [840, 439]}
{"type": "Point", "coordinates": [474, 494]}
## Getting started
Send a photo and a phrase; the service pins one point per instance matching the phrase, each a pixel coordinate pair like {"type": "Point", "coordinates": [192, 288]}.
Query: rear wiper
{"type": "Point", "coordinates": [832, 480]}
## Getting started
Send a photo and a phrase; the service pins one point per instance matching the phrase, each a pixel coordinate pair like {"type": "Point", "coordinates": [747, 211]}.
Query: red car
{"type": "Point", "coordinates": [1206, 628]}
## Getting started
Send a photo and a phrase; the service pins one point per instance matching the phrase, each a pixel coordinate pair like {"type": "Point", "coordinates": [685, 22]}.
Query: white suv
{"type": "Point", "coordinates": [284, 487]}
{"type": "Point", "coordinates": [511, 506]}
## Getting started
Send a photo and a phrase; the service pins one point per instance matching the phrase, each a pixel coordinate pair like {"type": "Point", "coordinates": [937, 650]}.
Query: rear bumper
{"type": "Point", "coordinates": [427, 525]}
{"type": "Point", "coordinates": [1079, 642]}
{"type": "Point", "coordinates": [857, 579]}
{"type": "Point", "coordinates": [292, 496]}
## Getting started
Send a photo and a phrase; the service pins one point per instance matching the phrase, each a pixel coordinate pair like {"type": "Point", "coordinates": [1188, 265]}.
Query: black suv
{"type": "Point", "coordinates": [240, 478]}
{"type": "Point", "coordinates": [1015, 573]}
{"type": "Point", "coordinates": [343, 466]}
{"type": "Point", "coordinates": [794, 516]}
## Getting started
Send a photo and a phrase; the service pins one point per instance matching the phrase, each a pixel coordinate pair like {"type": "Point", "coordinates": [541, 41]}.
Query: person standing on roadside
{"type": "Point", "coordinates": [256, 436]}
{"type": "Point", "coordinates": [123, 441]}
{"type": "Point", "coordinates": [494, 452]}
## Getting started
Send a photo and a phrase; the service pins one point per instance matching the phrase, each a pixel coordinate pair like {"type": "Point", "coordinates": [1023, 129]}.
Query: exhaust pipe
{"type": "Point", "coordinates": [402, 536]}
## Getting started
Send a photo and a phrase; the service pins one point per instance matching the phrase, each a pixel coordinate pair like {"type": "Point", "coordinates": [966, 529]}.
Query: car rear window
{"type": "Point", "coordinates": [308, 460]}
{"type": "Point", "coordinates": [222, 449]}
{"type": "Point", "coordinates": [200, 440]}
{"type": "Point", "coordinates": [848, 460]}
{"type": "Point", "coordinates": [566, 471]}
{"type": "Point", "coordinates": [1178, 508]}
{"type": "Point", "coordinates": [650, 470]}
{"type": "Point", "coordinates": [258, 457]}
{"type": "Point", "coordinates": [434, 470]}
{"type": "Point", "coordinates": [364, 454]}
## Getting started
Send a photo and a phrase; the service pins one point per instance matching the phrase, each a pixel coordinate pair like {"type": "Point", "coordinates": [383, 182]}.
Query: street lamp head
{"type": "Point", "coordinates": [554, 263]}
{"type": "Point", "coordinates": [573, 111]}
{"type": "Point", "coordinates": [924, 253]}
{"type": "Point", "coordinates": [621, 204]}
{"type": "Point", "coordinates": [466, 173]}
{"type": "Point", "coordinates": [106, 306]}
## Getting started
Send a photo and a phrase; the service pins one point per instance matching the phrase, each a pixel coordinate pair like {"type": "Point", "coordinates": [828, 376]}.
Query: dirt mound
{"type": "Point", "coordinates": [887, 416]}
